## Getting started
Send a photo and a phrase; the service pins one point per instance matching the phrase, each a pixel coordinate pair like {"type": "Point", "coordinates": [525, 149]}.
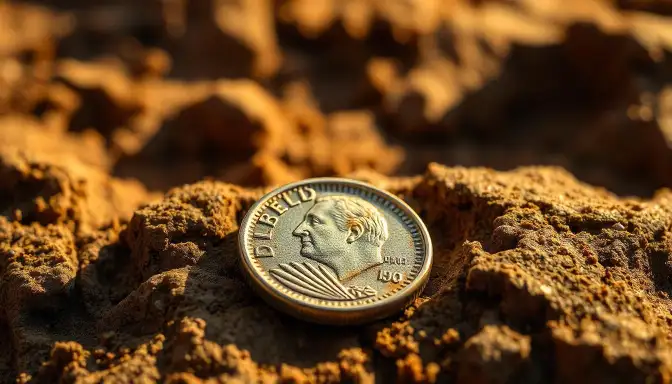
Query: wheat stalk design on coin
{"type": "Point", "coordinates": [335, 251]}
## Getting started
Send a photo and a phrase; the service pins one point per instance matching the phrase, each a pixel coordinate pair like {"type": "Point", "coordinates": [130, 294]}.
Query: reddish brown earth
{"type": "Point", "coordinates": [533, 137]}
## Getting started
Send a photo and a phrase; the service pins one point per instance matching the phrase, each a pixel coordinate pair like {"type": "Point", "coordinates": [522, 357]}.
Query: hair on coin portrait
{"type": "Point", "coordinates": [345, 233]}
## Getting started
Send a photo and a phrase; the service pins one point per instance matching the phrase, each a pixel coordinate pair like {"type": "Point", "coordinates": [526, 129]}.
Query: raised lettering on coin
{"type": "Point", "coordinates": [277, 207]}
{"type": "Point", "coordinates": [267, 236]}
{"type": "Point", "coordinates": [306, 193]}
{"type": "Point", "coordinates": [335, 251]}
{"type": "Point", "coordinates": [268, 220]}
{"type": "Point", "coordinates": [289, 201]}
{"type": "Point", "coordinates": [263, 251]}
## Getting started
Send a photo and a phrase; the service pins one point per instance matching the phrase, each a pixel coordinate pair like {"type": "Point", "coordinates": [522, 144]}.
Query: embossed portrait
{"type": "Point", "coordinates": [344, 233]}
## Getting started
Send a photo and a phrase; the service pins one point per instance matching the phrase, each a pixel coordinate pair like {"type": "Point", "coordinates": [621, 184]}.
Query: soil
{"type": "Point", "coordinates": [533, 138]}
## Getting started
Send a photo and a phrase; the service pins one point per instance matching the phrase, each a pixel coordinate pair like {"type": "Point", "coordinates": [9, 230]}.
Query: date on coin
{"type": "Point", "coordinates": [335, 251]}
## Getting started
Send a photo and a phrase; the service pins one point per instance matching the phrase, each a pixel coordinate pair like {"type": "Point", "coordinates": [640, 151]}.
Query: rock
{"type": "Point", "coordinates": [493, 355]}
{"type": "Point", "coordinates": [562, 276]}
{"type": "Point", "coordinates": [349, 127]}
{"type": "Point", "coordinates": [48, 188]}
{"type": "Point", "coordinates": [424, 97]}
{"type": "Point", "coordinates": [51, 144]}
{"type": "Point", "coordinates": [325, 145]}
{"type": "Point", "coordinates": [216, 39]}
{"type": "Point", "coordinates": [108, 97]}
{"type": "Point", "coordinates": [261, 139]}
{"type": "Point", "coordinates": [154, 142]}
{"type": "Point", "coordinates": [190, 351]}
{"type": "Point", "coordinates": [28, 38]}
{"type": "Point", "coordinates": [180, 230]}
{"type": "Point", "coordinates": [38, 266]}
{"type": "Point", "coordinates": [67, 362]}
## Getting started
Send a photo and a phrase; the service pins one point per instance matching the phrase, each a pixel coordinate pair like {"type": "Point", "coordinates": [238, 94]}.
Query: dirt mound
{"type": "Point", "coordinates": [135, 135]}
{"type": "Point", "coordinates": [537, 276]}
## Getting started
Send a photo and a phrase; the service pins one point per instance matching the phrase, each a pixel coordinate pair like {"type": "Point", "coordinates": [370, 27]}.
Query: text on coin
{"type": "Point", "coordinates": [387, 276]}
{"type": "Point", "coordinates": [292, 199]}
{"type": "Point", "coordinates": [394, 260]}
{"type": "Point", "coordinates": [268, 219]}
{"type": "Point", "coordinates": [263, 251]}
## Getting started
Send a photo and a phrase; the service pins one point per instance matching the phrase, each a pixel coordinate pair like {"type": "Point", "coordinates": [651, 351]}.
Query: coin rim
{"type": "Point", "coordinates": [335, 315]}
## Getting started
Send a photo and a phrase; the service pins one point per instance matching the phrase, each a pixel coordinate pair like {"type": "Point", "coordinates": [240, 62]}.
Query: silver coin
{"type": "Point", "coordinates": [335, 251]}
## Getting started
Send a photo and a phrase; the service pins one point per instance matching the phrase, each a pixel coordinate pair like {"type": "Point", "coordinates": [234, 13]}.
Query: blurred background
{"type": "Point", "coordinates": [259, 92]}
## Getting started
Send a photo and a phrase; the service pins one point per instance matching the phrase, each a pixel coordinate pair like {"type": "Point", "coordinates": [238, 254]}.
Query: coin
{"type": "Point", "coordinates": [335, 251]}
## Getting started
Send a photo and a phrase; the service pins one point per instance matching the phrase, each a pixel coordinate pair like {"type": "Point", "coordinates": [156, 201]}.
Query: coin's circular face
{"type": "Point", "coordinates": [335, 251]}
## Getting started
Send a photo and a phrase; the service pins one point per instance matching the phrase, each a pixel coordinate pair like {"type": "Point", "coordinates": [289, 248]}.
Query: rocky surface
{"type": "Point", "coordinates": [533, 138]}
{"type": "Point", "coordinates": [538, 277]}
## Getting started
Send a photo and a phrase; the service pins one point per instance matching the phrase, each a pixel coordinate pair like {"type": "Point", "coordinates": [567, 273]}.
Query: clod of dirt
{"type": "Point", "coordinates": [51, 144]}
{"type": "Point", "coordinates": [186, 130]}
{"type": "Point", "coordinates": [38, 266]}
{"type": "Point", "coordinates": [493, 355]}
{"type": "Point", "coordinates": [216, 39]}
{"type": "Point", "coordinates": [28, 36]}
{"type": "Point", "coordinates": [107, 96]}
{"type": "Point", "coordinates": [53, 187]}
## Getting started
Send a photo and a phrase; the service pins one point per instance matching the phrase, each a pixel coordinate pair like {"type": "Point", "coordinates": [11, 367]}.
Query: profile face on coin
{"type": "Point", "coordinates": [335, 251]}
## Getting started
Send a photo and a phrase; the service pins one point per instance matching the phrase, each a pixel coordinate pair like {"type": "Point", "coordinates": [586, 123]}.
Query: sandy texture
{"type": "Point", "coordinates": [537, 277]}
{"type": "Point", "coordinates": [135, 135]}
